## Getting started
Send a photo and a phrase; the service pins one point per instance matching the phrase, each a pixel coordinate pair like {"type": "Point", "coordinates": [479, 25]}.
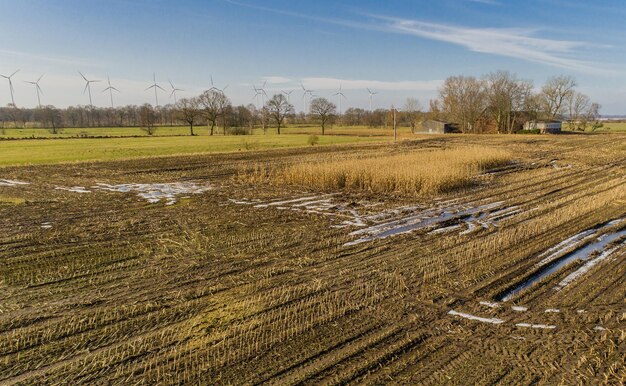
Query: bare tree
{"type": "Point", "coordinates": [555, 94]}
{"type": "Point", "coordinates": [463, 101]}
{"type": "Point", "coordinates": [581, 111]}
{"type": "Point", "coordinates": [213, 103]}
{"type": "Point", "coordinates": [508, 98]}
{"type": "Point", "coordinates": [147, 119]}
{"type": "Point", "coordinates": [188, 111]}
{"type": "Point", "coordinates": [278, 108]}
{"type": "Point", "coordinates": [324, 110]}
{"type": "Point", "coordinates": [412, 110]}
{"type": "Point", "coordinates": [51, 118]}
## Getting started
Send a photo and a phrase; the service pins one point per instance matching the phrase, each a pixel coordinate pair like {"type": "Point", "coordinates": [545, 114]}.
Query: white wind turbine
{"type": "Point", "coordinates": [217, 89]}
{"type": "Point", "coordinates": [174, 89]}
{"type": "Point", "coordinates": [371, 95]}
{"type": "Point", "coordinates": [304, 92]}
{"type": "Point", "coordinates": [110, 89]}
{"type": "Point", "coordinates": [339, 95]}
{"type": "Point", "coordinates": [288, 93]}
{"type": "Point", "coordinates": [8, 77]}
{"type": "Point", "coordinates": [260, 92]}
{"type": "Point", "coordinates": [37, 89]}
{"type": "Point", "coordinates": [88, 86]}
{"type": "Point", "coordinates": [155, 86]}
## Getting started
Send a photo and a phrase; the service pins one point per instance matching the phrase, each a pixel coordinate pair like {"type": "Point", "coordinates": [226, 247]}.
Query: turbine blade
{"type": "Point", "coordinates": [14, 73]}
{"type": "Point", "coordinates": [40, 77]}
{"type": "Point", "coordinates": [170, 82]}
{"type": "Point", "coordinates": [114, 89]}
{"type": "Point", "coordinates": [85, 89]}
{"type": "Point", "coordinates": [160, 87]}
{"type": "Point", "coordinates": [148, 88]}
{"type": "Point", "coordinates": [225, 87]}
{"type": "Point", "coordinates": [81, 74]}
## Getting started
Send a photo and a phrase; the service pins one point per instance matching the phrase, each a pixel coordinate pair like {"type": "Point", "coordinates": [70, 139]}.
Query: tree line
{"type": "Point", "coordinates": [498, 101]}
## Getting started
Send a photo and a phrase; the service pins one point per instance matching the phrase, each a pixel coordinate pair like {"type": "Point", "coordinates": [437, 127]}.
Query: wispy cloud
{"type": "Point", "coordinates": [487, 2]}
{"type": "Point", "coordinates": [54, 59]}
{"type": "Point", "coordinates": [276, 79]}
{"type": "Point", "coordinates": [520, 43]}
{"type": "Point", "coordinates": [356, 84]}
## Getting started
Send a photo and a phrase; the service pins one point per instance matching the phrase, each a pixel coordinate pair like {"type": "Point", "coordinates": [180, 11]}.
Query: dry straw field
{"type": "Point", "coordinates": [422, 173]}
{"type": "Point", "coordinates": [441, 260]}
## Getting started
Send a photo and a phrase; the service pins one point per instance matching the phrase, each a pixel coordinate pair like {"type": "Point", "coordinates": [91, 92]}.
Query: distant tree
{"type": "Point", "coordinates": [188, 110]}
{"type": "Point", "coordinates": [278, 108]}
{"type": "Point", "coordinates": [147, 119]}
{"type": "Point", "coordinates": [412, 110]}
{"type": "Point", "coordinates": [434, 110]}
{"type": "Point", "coordinates": [50, 118]}
{"type": "Point", "coordinates": [555, 93]}
{"type": "Point", "coordinates": [507, 97]}
{"type": "Point", "coordinates": [213, 103]}
{"type": "Point", "coordinates": [324, 110]}
{"type": "Point", "coordinates": [464, 101]}
{"type": "Point", "coordinates": [354, 116]}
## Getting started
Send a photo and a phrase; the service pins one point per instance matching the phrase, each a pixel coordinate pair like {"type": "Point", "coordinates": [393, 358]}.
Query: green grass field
{"type": "Point", "coordinates": [47, 151]}
{"type": "Point", "coordinates": [162, 131]}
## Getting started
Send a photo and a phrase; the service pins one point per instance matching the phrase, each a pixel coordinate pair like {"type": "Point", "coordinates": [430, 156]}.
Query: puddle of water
{"type": "Point", "coordinates": [154, 193]}
{"type": "Point", "coordinates": [555, 263]}
{"type": "Point", "coordinates": [476, 318]}
{"type": "Point", "coordinates": [421, 220]}
{"type": "Point", "coordinates": [587, 266]}
{"type": "Point", "coordinates": [12, 182]}
{"type": "Point", "coordinates": [75, 189]}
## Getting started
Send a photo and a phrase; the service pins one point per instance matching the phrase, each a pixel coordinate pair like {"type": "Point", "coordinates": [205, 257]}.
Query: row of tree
{"type": "Point", "coordinates": [503, 101]}
{"type": "Point", "coordinates": [499, 101]}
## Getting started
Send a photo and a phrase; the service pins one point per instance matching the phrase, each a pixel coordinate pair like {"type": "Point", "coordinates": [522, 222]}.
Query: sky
{"type": "Point", "coordinates": [398, 49]}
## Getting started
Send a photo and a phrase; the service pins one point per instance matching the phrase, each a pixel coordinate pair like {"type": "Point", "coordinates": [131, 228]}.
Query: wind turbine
{"type": "Point", "coordinates": [11, 85]}
{"type": "Point", "coordinates": [155, 86]}
{"type": "Point", "coordinates": [110, 89]}
{"type": "Point", "coordinates": [37, 89]}
{"type": "Point", "coordinates": [339, 96]}
{"type": "Point", "coordinates": [174, 89]}
{"type": "Point", "coordinates": [260, 92]}
{"type": "Point", "coordinates": [88, 86]}
{"type": "Point", "coordinates": [304, 92]}
{"type": "Point", "coordinates": [371, 95]}
{"type": "Point", "coordinates": [220, 89]}
{"type": "Point", "coordinates": [288, 93]}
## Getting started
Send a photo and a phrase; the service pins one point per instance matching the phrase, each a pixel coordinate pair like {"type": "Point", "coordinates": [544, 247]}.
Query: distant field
{"type": "Point", "coordinates": [48, 151]}
{"type": "Point", "coordinates": [184, 131]}
{"type": "Point", "coordinates": [607, 127]}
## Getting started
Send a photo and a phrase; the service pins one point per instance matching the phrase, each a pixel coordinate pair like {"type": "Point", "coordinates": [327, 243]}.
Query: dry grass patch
{"type": "Point", "coordinates": [416, 173]}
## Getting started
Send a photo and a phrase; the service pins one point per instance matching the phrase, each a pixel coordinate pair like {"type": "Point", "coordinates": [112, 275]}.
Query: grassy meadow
{"type": "Point", "coordinates": [47, 151]}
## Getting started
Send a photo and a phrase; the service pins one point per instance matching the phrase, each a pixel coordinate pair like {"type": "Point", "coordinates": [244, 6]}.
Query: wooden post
{"type": "Point", "coordinates": [395, 133]}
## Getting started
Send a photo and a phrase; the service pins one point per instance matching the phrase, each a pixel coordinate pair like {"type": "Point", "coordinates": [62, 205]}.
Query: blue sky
{"type": "Point", "coordinates": [397, 48]}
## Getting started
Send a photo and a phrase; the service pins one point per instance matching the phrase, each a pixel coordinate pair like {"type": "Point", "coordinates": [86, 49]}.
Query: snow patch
{"type": "Point", "coordinates": [541, 326]}
{"type": "Point", "coordinates": [12, 182]}
{"type": "Point", "coordinates": [476, 318]}
{"type": "Point", "coordinates": [154, 193]}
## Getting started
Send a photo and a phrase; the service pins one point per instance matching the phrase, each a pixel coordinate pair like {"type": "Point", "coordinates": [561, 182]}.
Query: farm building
{"type": "Point", "coordinates": [438, 127]}
{"type": "Point", "coordinates": [544, 127]}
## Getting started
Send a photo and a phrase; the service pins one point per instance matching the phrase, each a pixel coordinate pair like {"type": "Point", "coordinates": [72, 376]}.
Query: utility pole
{"type": "Point", "coordinates": [395, 133]}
